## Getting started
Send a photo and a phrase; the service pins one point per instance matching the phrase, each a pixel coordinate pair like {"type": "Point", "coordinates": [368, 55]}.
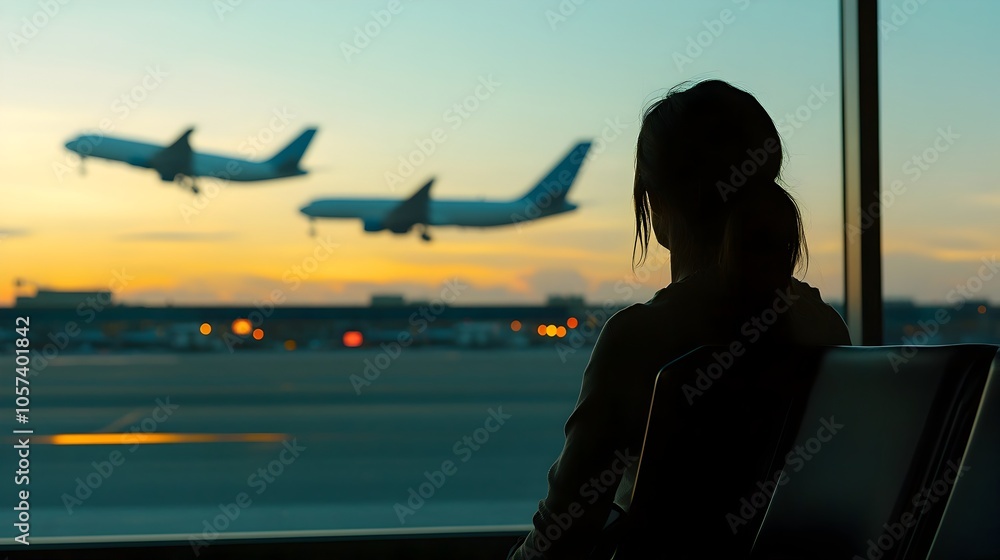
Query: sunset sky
{"type": "Point", "coordinates": [155, 68]}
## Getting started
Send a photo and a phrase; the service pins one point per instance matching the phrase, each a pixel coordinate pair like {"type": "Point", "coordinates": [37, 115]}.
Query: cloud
{"type": "Point", "coordinates": [5, 233]}
{"type": "Point", "coordinates": [557, 282]}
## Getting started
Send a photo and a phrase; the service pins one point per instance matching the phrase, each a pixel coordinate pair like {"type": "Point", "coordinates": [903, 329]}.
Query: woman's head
{"type": "Point", "coordinates": [707, 161]}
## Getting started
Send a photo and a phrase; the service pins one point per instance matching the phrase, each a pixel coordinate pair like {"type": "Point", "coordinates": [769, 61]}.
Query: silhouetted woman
{"type": "Point", "coordinates": [707, 161]}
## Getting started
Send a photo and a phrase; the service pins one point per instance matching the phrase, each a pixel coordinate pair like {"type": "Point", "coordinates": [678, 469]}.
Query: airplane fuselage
{"type": "Point", "coordinates": [140, 154]}
{"type": "Point", "coordinates": [470, 213]}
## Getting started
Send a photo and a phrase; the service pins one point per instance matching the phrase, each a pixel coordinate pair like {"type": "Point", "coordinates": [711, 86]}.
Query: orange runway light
{"type": "Point", "coordinates": [561, 331]}
{"type": "Point", "coordinates": [515, 325]}
{"type": "Point", "coordinates": [205, 329]}
{"type": "Point", "coordinates": [289, 345]}
{"type": "Point", "coordinates": [551, 330]}
{"type": "Point", "coordinates": [241, 327]}
{"type": "Point", "coordinates": [981, 309]}
{"type": "Point", "coordinates": [541, 330]}
{"type": "Point", "coordinates": [572, 322]}
{"type": "Point", "coordinates": [353, 339]}
{"type": "Point", "coordinates": [258, 334]}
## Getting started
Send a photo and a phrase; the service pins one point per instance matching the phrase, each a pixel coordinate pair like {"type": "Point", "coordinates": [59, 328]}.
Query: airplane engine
{"type": "Point", "coordinates": [373, 225]}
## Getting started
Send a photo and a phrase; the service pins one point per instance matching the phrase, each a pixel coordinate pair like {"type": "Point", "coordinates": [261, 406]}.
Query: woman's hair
{"type": "Point", "coordinates": [708, 158]}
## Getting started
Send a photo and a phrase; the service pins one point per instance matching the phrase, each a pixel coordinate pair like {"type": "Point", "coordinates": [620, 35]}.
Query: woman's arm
{"type": "Point", "coordinates": [583, 479]}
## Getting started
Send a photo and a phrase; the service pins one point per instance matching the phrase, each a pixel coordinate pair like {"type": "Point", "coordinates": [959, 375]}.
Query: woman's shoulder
{"type": "Point", "coordinates": [677, 299]}
{"type": "Point", "coordinates": [812, 311]}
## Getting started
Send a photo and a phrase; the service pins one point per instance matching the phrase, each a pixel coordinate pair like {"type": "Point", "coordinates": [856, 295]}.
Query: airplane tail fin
{"type": "Point", "coordinates": [553, 188]}
{"type": "Point", "coordinates": [288, 158]}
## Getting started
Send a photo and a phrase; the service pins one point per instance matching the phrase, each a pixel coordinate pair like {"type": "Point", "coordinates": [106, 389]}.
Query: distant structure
{"type": "Point", "coordinates": [571, 300]}
{"type": "Point", "coordinates": [387, 300]}
{"type": "Point", "coordinates": [57, 299]}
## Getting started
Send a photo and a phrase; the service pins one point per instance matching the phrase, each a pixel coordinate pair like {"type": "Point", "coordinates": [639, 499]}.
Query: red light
{"type": "Point", "coordinates": [353, 339]}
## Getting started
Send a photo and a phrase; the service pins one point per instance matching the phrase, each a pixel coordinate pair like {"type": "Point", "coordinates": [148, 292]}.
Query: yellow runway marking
{"type": "Point", "coordinates": [155, 438]}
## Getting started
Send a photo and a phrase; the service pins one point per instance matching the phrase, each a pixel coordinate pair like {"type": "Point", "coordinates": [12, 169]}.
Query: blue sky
{"type": "Point", "coordinates": [560, 71]}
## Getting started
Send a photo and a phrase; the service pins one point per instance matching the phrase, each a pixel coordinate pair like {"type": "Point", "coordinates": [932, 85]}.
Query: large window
{"type": "Point", "coordinates": [202, 366]}
{"type": "Point", "coordinates": [940, 200]}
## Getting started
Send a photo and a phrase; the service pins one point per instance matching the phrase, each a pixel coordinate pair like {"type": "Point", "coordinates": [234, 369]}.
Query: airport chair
{"type": "Point", "coordinates": [814, 452]}
{"type": "Point", "coordinates": [970, 529]}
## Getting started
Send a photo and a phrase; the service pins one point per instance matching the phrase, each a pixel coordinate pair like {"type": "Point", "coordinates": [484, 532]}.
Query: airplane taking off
{"type": "Point", "coordinates": [178, 163]}
{"type": "Point", "coordinates": [547, 198]}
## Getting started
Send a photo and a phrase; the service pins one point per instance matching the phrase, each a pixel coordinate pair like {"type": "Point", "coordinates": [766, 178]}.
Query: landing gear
{"type": "Point", "coordinates": [424, 233]}
{"type": "Point", "coordinates": [312, 227]}
{"type": "Point", "coordinates": [187, 182]}
{"type": "Point", "coordinates": [83, 168]}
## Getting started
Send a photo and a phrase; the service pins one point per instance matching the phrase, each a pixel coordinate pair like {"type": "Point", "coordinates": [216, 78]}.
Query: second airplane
{"type": "Point", "coordinates": [547, 198]}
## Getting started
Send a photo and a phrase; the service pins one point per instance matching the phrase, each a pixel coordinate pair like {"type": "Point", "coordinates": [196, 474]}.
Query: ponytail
{"type": "Point", "coordinates": [763, 239]}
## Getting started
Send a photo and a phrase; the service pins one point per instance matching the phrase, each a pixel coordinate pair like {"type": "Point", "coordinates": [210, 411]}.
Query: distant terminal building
{"type": "Point", "coordinates": [88, 321]}
{"type": "Point", "coordinates": [566, 301]}
{"type": "Point", "coordinates": [387, 300]}
{"type": "Point", "coordinates": [56, 299]}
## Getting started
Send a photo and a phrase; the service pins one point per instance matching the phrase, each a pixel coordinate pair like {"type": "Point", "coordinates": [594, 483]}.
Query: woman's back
{"type": "Point", "coordinates": [697, 312]}
{"type": "Point", "coordinates": [733, 250]}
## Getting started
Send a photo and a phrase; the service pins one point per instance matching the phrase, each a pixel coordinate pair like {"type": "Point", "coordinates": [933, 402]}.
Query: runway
{"type": "Point", "coordinates": [219, 444]}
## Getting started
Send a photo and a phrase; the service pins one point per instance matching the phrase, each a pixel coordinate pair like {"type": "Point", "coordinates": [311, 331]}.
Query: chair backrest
{"type": "Point", "coordinates": [799, 452]}
{"type": "Point", "coordinates": [971, 525]}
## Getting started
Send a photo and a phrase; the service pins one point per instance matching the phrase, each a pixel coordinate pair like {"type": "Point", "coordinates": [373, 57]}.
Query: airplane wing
{"type": "Point", "coordinates": [175, 159]}
{"type": "Point", "coordinates": [411, 211]}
